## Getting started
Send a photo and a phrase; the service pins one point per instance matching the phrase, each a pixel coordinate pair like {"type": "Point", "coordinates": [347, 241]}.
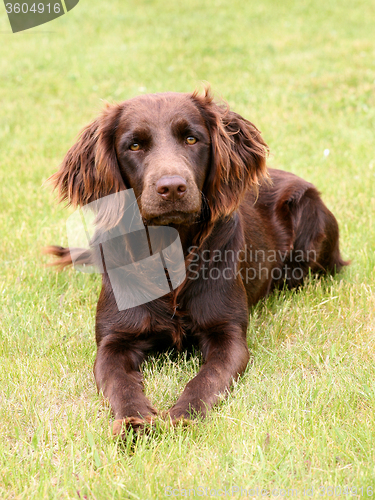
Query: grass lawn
{"type": "Point", "coordinates": [300, 422]}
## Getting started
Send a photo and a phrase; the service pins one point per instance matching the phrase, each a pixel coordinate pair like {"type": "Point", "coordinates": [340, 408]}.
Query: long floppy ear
{"type": "Point", "coordinates": [90, 169]}
{"type": "Point", "coordinates": [238, 156]}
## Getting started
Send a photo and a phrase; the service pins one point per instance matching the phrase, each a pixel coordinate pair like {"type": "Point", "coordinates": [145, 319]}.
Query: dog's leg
{"type": "Point", "coordinates": [316, 239]}
{"type": "Point", "coordinates": [226, 356]}
{"type": "Point", "coordinates": [117, 374]}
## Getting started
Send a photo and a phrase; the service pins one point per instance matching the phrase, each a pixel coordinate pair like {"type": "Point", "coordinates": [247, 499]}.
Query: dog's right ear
{"type": "Point", "coordinates": [90, 169]}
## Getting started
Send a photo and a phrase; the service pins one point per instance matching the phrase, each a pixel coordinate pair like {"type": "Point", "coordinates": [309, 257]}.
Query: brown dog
{"type": "Point", "coordinates": [200, 168]}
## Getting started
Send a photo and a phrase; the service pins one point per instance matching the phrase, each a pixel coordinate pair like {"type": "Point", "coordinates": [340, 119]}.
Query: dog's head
{"type": "Point", "coordinates": [174, 150]}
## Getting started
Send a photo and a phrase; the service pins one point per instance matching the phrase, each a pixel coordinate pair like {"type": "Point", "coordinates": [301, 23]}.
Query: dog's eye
{"type": "Point", "coordinates": [135, 146]}
{"type": "Point", "coordinates": [190, 140]}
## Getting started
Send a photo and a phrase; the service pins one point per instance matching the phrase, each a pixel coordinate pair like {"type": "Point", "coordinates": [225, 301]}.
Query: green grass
{"type": "Point", "coordinates": [302, 416]}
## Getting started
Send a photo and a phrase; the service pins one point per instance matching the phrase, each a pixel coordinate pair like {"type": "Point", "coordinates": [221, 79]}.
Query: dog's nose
{"type": "Point", "coordinates": [171, 188]}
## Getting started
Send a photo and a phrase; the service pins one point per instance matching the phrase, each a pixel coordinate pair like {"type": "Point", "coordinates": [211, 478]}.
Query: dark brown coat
{"type": "Point", "coordinates": [201, 168]}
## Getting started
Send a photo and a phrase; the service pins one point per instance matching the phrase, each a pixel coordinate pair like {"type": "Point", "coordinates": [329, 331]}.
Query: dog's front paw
{"type": "Point", "coordinates": [121, 426]}
{"type": "Point", "coordinates": [178, 418]}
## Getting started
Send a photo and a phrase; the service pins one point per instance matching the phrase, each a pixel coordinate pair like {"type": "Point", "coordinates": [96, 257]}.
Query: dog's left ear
{"type": "Point", "coordinates": [90, 168]}
{"type": "Point", "coordinates": [238, 156]}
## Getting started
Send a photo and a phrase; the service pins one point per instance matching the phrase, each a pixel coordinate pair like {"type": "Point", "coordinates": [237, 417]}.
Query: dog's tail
{"type": "Point", "coordinates": [67, 256]}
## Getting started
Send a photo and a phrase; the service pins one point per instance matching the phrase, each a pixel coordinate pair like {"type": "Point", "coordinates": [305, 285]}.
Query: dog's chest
{"type": "Point", "coordinates": [169, 325]}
